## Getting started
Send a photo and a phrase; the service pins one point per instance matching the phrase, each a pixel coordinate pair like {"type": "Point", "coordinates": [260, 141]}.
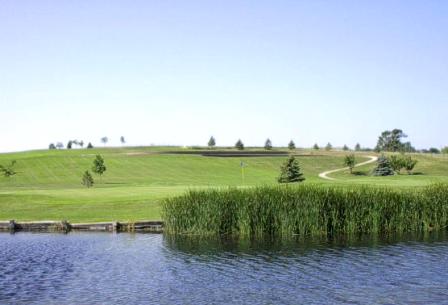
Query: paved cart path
{"type": "Point", "coordinates": [323, 175]}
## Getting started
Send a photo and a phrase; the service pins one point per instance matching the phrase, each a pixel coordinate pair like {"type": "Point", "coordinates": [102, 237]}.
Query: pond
{"type": "Point", "coordinates": [102, 268]}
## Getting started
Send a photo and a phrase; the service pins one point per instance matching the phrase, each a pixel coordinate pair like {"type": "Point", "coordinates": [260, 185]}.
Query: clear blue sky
{"type": "Point", "coordinates": [177, 72]}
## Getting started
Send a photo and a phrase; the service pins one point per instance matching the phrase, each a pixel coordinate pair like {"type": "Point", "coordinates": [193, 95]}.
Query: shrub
{"type": "Point", "coordinates": [383, 167]}
{"type": "Point", "coordinates": [87, 179]}
{"type": "Point", "coordinates": [397, 162]}
{"type": "Point", "coordinates": [409, 164]}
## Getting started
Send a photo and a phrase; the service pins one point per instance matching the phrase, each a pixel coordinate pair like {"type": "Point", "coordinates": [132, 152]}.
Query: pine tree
{"type": "Point", "coordinates": [345, 148]}
{"type": "Point", "coordinates": [383, 167]}
{"type": "Point", "coordinates": [357, 147]}
{"type": "Point", "coordinates": [268, 144]}
{"type": "Point", "coordinates": [51, 146]}
{"type": "Point", "coordinates": [87, 179]}
{"type": "Point", "coordinates": [239, 145]}
{"type": "Point", "coordinates": [211, 142]}
{"type": "Point", "coordinates": [328, 147]}
{"type": "Point", "coordinates": [316, 147]}
{"type": "Point", "coordinates": [69, 144]}
{"type": "Point", "coordinates": [122, 140]}
{"type": "Point", "coordinates": [291, 171]}
{"type": "Point", "coordinates": [89, 145]}
{"type": "Point", "coordinates": [98, 166]}
{"type": "Point", "coordinates": [291, 145]}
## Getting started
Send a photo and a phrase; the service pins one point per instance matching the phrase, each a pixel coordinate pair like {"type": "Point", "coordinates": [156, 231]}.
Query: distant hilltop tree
{"type": "Point", "coordinates": [89, 146]}
{"type": "Point", "coordinates": [104, 140]}
{"type": "Point", "coordinates": [390, 140]}
{"type": "Point", "coordinates": [349, 161]}
{"type": "Point", "coordinates": [239, 145]}
{"type": "Point", "coordinates": [328, 147]}
{"type": "Point", "coordinates": [69, 144]}
{"type": "Point", "coordinates": [291, 145]}
{"type": "Point", "coordinates": [357, 147]}
{"type": "Point", "coordinates": [98, 166]}
{"type": "Point", "coordinates": [268, 144]}
{"type": "Point", "coordinates": [315, 146]}
{"type": "Point", "coordinates": [87, 179]}
{"type": "Point", "coordinates": [290, 171]}
{"type": "Point", "coordinates": [122, 140]}
{"type": "Point", "coordinates": [59, 145]}
{"type": "Point", "coordinates": [345, 148]}
{"type": "Point", "coordinates": [51, 146]}
{"type": "Point", "coordinates": [81, 143]}
{"type": "Point", "coordinates": [8, 170]}
{"type": "Point", "coordinates": [211, 142]}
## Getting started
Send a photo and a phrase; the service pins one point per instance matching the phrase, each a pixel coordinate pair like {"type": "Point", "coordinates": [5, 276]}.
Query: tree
{"type": "Point", "coordinates": [122, 140]}
{"type": "Point", "coordinates": [268, 144]}
{"type": "Point", "coordinates": [383, 167]}
{"type": "Point", "coordinates": [409, 164]}
{"type": "Point", "coordinates": [81, 143]}
{"type": "Point", "coordinates": [8, 170]}
{"type": "Point", "coordinates": [349, 161]}
{"type": "Point", "coordinates": [51, 146]}
{"type": "Point", "coordinates": [59, 145]}
{"type": "Point", "coordinates": [328, 147]}
{"type": "Point", "coordinates": [316, 147]}
{"type": "Point", "coordinates": [357, 147]}
{"type": "Point", "coordinates": [89, 146]}
{"type": "Point", "coordinates": [98, 166]}
{"type": "Point", "coordinates": [211, 142]}
{"type": "Point", "coordinates": [290, 171]}
{"type": "Point", "coordinates": [239, 145]}
{"type": "Point", "coordinates": [291, 145]}
{"type": "Point", "coordinates": [69, 144]}
{"type": "Point", "coordinates": [87, 179]}
{"type": "Point", "coordinates": [434, 150]}
{"type": "Point", "coordinates": [397, 163]}
{"type": "Point", "coordinates": [391, 141]}
{"type": "Point", "coordinates": [345, 148]}
{"type": "Point", "coordinates": [104, 140]}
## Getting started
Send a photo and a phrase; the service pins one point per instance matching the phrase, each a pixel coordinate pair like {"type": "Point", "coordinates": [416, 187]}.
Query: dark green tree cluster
{"type": "Point", "coordinates": [268, 144]}
{"type": "Point", "coordinates": [291, 145]}
{"type": "Point", "coordinates": [391, 140]}
{"type": "Point", "coordinates": [98, 168]}
{"type": "Point", "coordinates": [239, 145]}
{"type": "Point", "coordinates": [383, 167]}
{"type": "Point", "coordinates": [399, 162]}
{"type": "Point", "coordinates": [8, 170]}
{"type": "Point", "coordinates": [290, 171]}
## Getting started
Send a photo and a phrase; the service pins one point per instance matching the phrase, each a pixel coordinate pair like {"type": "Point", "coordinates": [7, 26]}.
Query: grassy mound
{"type": "Point", "coordinates": [307, 210]}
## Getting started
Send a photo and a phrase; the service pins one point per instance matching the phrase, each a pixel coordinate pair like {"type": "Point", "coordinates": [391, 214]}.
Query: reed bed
{"type": "Point", "coordinates": [307, 210]}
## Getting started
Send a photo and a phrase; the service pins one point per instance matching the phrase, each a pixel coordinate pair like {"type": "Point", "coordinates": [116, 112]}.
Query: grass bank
{"type": "Point", "coordinates": [307, 210]}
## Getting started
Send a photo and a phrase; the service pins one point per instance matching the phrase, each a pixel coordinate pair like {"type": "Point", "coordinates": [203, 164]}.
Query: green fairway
{"type": "Point", "coordinates": [48, 183]}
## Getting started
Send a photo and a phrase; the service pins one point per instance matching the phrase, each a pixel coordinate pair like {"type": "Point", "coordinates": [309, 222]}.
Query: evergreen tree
{"type": "Point", "coordinates": [316, 147]}
{"type": "Point", "coordinates": [291, 145]}
{"type": "Point", "coordinates": [69, 144]}
{"type": "Point", "coordinates": [239, 145]}
{"type": "Point", "coordinates": [383, 167]}
{"type": "Point", "coordinates": [98, 166]}
{"type": "Point", "coordinates": [345, 148]}
{"type": "Point", "coordinates": [211, 142]}
{"type": "Point", "coordinates": [104, 140]}
{"type": "Point", "coordinates": [87, 179]}
{"type": "Point", "coordinates": [357, 147]}
{"type": "Point", "coordinates": [89, 145]}
{"type": "Point", "coordinates": [328, 147]}
{"type": "Point", "coordinates": [122, 140]}
{"type": "Point", "coordinates": [51, 146]}
{"type": "Point", "coordinates": [291, 171]}
{"type": "Point", "coordinates": [349, 161]}
{"type": "Point", "coordinates": [81, 143]}
{"type": "Point", "coordinates": [268, 144]}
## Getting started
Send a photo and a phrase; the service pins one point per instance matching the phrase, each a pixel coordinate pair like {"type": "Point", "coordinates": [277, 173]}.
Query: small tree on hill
{"type": "Point", "coordinates": [122, 140]}
{"type": "Point", "coordinates": [81, 143]}
{"type": "Point", "coordinates": [8, 170]}
{"type": "Point", "coordinates": [397, 163]}
{"type": "Point", "coordinates": [98, 166]}
{"type": "Point", "coordinates": [211, 142]}
{"type": "Point", "coordinates": [291, 145]}
{"type": "Point", "coordinates": [87, 179]}
{"type": "Point", "coordinates": [89, 146]}
{"type": "Point", "coordinates": [349, 161]}
{"type": "Point", "coordinates": [357, 147]}
{"type": "Point", "coordinates": [345, 148]}
{"type": "Point", "coordinates": [328, 147]}
{"type": "Point", "coordinates": [51, 146]}
{"type": "Point", "coordinates": [69, 144]}
{"type": "Point", "coordinates": [104, 140]}
{"type": "Point", "coordinates": [59, 145]}
{"type": "Point", "coordinates": [239, 145]}
{"type": "Point", "coordinates": [268, 144]}
{"type": "Point", "coordinates": [290, 171]}
{"type": "Point", "coordinates": [383, 167]}
{"type": "Point", "coordinates": [409, 164]}
{"type": "Point", "coordinates": [316, 147]}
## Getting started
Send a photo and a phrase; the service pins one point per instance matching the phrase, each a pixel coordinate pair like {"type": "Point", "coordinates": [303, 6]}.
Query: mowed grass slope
{"type": "Point", "coordinates": [48, 183]}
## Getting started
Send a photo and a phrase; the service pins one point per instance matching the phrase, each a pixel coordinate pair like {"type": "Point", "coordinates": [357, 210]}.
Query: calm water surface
{"type": "Point", "coordinates": [91, 268]}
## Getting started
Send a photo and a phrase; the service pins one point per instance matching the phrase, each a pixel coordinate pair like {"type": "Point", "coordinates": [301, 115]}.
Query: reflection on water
{"type": "Point", "coordinates": [96, 268]}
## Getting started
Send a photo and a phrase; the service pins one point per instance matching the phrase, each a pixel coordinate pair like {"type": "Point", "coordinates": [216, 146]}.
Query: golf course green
{"type": "Point", "coordinates": [48, 182]}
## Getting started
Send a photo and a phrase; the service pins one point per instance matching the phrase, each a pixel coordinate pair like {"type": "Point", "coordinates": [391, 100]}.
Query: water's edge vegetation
{"type": "Point", "coordinates": [307, 210]}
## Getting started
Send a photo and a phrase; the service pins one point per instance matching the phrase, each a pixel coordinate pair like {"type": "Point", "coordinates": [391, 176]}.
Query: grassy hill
{"type": "Point", "coordinates": [48, 183]}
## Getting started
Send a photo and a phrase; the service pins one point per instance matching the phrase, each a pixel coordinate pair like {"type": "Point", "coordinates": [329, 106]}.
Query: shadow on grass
{"type": "Point", "coordinates": [359, 173]}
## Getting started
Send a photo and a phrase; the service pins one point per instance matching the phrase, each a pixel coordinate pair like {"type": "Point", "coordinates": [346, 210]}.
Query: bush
{"type": "Point", "coordinates": [87, 179]}
{"type": "Point", "coordinates": [383, 167]}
